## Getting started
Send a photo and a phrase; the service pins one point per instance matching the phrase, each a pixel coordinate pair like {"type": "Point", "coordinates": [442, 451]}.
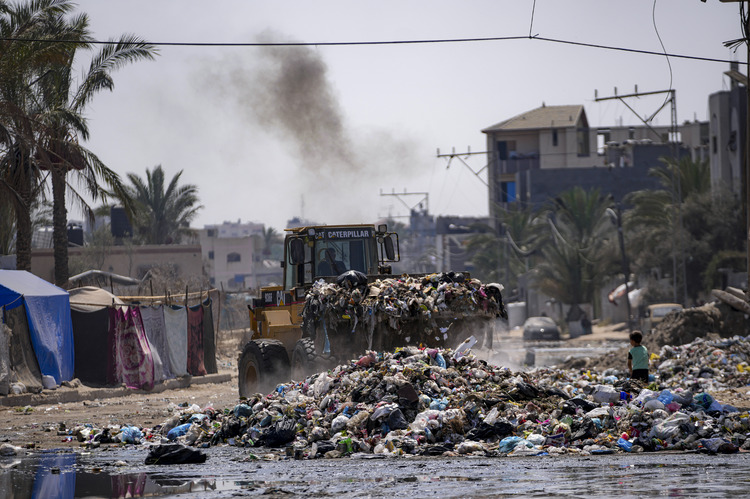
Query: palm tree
{"type": "Point", "coordinates": [61, 123]}
{"type": "Point", "coordinates": [504, 257]}
{"type": "Point", "coordinates": [41, 117]}
{"type": "Point", "coordinates": [270, 237]}
{"type": "Point", "coordinates": [683, 217]}
{"type": "Point", "coordinates": [575, 257]}
{"type": "Point", "coordinates": [27, 43]}
{"type": "Point", "coordinates": [161, 215]}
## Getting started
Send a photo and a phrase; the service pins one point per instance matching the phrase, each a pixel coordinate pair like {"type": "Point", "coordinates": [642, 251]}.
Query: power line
{"type": "Point", "coordinates": [383, 42]}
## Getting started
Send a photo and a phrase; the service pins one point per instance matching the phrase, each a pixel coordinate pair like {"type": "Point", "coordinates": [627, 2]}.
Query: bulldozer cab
{"type": "Point", "coordinates": [318, 252]}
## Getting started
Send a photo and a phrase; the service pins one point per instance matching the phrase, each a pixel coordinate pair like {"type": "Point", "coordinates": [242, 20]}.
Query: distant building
{"type": "Point", "coordinates": [727, 122]}
{"type": "Point", "coordinates": [539, 154]}
{"type": "Point", "coordinates": [229, 254]}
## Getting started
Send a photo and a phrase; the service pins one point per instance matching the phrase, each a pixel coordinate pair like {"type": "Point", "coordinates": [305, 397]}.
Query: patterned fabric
{"type": "Point", "coordinates": [131, 361]}
{"type": "Point", "coordinates": [175, 318]}
{"type": "Point", "coordinates": [195, 364]}
{"type": "Point", "coordinates": [156, 332]}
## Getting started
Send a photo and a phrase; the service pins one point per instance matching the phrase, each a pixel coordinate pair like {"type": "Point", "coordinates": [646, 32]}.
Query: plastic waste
{"type": "Point", "coordinates": [624, 444]}
{"type": "Point", "coordinates": [242, 411]}
{"type": "Point", "coordinates": [49, 382]}
{"type": "Point", "coordinates": [339, 423]}
{"type": "Point", "coordinates": [193, 434]}
{"type": "Point", "coordinates": [606, 394]}
{"type": "Point", "coordinates": [178, 431]}
{"type": "Point", "coordinates": [174, 454]}
{"type": "Point", "coordinates": [464, 347]}
{"type": "Point", "coordinates": [130, 435]}
{"type": "Point", "coordinates": [653, 405]}
{"type": "Point", "coordinates": [509, 443]}
{"type": "Point", "coordinates": [665, 397]}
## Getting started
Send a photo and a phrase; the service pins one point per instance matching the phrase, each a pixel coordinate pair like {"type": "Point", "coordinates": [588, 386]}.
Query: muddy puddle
{"type": "Point", "coordinates": [119, 473]}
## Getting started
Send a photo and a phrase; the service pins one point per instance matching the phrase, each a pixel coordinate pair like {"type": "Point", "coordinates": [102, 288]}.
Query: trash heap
{"type": "Point", "coordinates": [445, 402]}
{"type": "Point", "coordinates": [396, 302]}
{"type": "Point", "coordinates": [706, 364]}
{"type": "Point", "coordinates": [448, 402]}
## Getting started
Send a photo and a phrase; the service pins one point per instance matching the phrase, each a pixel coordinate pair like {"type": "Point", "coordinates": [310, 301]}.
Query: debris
{"type": "Point", "coordinates": [174, 454]}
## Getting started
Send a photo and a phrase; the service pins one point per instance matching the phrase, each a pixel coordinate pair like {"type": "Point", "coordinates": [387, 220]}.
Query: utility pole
{"type": "Point", "coordinates": [424, 197]}
{"type": "Point", "coordinates": [458, 156]}
{"type": "Point", "coordinates": [676, 181]}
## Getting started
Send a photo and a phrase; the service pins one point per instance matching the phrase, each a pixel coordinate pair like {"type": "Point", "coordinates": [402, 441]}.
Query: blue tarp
{"type": "Point", "coordinates": [48, 313]}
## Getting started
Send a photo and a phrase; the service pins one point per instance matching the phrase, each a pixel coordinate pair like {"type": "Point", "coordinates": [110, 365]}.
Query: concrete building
{"type": "Point", "coordinates": [538, 154]}
{"type": "Point", "coordinates": [727, 122]}
{"type": "Point", "coordinates": [229, 254]}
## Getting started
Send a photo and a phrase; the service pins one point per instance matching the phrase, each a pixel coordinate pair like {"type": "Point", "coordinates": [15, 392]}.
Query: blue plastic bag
{"type": "Point", "coordinates": [509, 443]}
{"type": "Point", "coordinates": [178, 431]}
{"type": "Point", "coordinates": [131, 435]}
{"type": "Point", "coordinates": [624, 444]}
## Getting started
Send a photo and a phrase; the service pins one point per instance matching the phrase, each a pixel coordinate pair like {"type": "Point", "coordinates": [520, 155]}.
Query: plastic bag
{"type": "Point", "coordinates": [131, 435]}
{"type": "Point", "coordinates": [174, 454]}
{"type": "Point", "coordinates": [464, 347]}
{"type": "Point", "coordinates": [624, 444]}
{"type": "Point", "coordinates": [280, 433]}
{"type": "Point", "coordinates": [606, 394]}
{"type": "Point", "coordinates": [509, 443]}
{"type": "Point", "coordinates": [178, 431]}
{"type": "Point", "coordinates": [339, 423]}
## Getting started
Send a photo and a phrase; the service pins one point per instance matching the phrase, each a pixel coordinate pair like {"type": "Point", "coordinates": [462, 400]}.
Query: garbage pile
{"type": "Point", "coordinates": [354, 303]}
{"type": "Point", "coordinates": [712, 320]}
{"type": "Point", "coordinates": [448, 402]}
{"type": "Point", "coordinates": [445, 402]}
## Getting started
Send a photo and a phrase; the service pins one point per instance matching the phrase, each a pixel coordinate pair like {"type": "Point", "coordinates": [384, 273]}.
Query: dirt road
{"type": "Point", "coordinates": [38, 426]}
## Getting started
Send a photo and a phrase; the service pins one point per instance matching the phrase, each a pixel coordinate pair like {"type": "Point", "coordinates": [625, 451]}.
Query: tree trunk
{"type": "Point", "coordinates": [23, 213]}
{"type": "Point", "coordinates": [59, 226]}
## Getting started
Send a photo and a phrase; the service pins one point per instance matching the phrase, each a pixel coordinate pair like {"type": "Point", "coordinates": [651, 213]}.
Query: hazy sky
{"type": "Point", "coordinates": [268, 133]}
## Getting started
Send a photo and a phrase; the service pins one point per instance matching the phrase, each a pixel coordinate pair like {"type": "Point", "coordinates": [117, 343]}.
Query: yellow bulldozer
{"type": "Point", "coordinates": [339, 299]}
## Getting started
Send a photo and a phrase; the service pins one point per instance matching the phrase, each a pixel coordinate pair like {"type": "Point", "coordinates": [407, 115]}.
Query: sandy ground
{"type": "Point", "coordinates": [38, 426]}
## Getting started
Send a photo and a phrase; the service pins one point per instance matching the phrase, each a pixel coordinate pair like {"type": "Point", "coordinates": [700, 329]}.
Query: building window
{"type": "Point", "coordinates": [212, 281]}
{"type": "Point", "coordinates": [210, 255]}
{"type": "Point", "coordinates": [507, 192]}
{"type": "Point", "coordinates": [211, 232]}
{"type": "Point", "coordinates": [554, 138]}
{"type": "Point", "coordinates": [233, 257]}
{"type": "Point", "coordinates": [583, 142]}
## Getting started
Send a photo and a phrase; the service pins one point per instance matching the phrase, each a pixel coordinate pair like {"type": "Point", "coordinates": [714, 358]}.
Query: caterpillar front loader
{"type": "Point", "coordinates": [339, 299]}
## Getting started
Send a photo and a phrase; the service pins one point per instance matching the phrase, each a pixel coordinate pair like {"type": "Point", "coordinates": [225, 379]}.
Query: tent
{"type": "Point", "coordinates": [89, 311]}
{"type": "Point", "coordinates": [48, 314]}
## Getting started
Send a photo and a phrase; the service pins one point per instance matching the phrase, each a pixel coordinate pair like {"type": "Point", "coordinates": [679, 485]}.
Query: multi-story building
{"type": "Point", "coordinates": [727, 121]}
{"type": "Point", "coordinates": [229, 254]}
{"type": "Point", "coordinates": [538, 154]}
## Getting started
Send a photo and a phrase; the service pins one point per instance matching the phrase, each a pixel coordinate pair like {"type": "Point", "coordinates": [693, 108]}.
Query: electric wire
{"type": "Point", "coordinates": [531, 24]}
{"type": "Point", "coordinates": [669, 64]}
{"type": "Point", "coordinates": [389, 42]}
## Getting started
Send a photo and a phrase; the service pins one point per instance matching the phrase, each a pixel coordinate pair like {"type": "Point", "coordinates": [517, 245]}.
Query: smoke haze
{"type": "Point", "coordinates": [284, 94]}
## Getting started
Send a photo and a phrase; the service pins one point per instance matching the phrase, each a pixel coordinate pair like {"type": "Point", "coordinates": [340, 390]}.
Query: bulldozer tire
{"type": "Point", "coordinates": [303, 359]}
{"type": "Point", "coordinates": [262, 365]}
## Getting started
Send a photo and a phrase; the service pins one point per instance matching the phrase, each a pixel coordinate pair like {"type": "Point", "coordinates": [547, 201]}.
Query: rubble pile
{"type": "Point", "coordinates": [415, 302]}
{"type": "Point", "coordinates": [684, 326]}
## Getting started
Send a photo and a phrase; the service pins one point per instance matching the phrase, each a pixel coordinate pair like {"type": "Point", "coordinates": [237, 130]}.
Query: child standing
{"type": "Point", "coordinates": [638, 358]}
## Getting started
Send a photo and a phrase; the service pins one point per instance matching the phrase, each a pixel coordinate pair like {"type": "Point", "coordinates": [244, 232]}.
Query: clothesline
{"type": "Point", "coordinates": [175, 296]}
{"type": "Point", "coordinates": [180, 298]}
